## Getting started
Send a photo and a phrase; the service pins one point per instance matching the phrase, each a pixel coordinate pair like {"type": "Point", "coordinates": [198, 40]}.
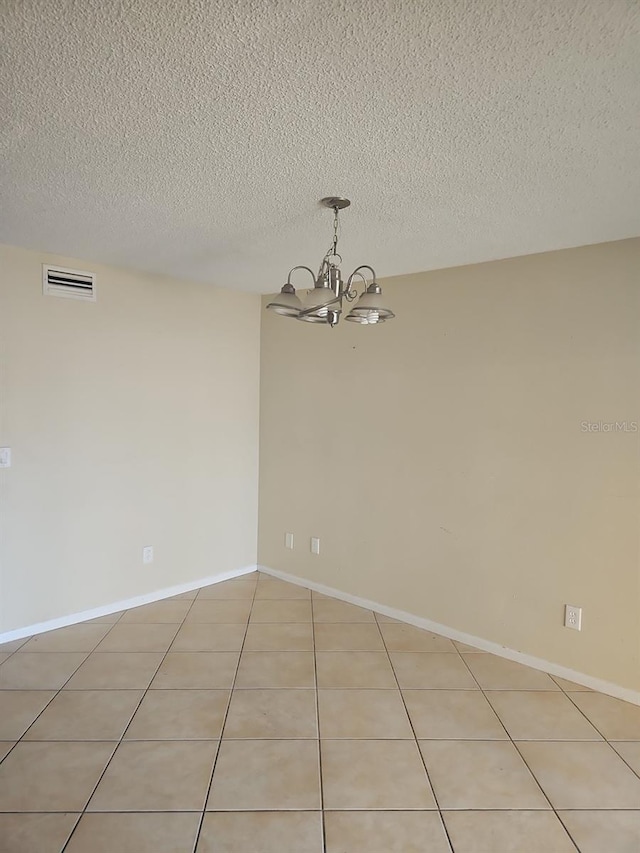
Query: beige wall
{"type": "Point", "coordinates": [441, 460]}
{"type": "Point", "coordinates": [133, 422]}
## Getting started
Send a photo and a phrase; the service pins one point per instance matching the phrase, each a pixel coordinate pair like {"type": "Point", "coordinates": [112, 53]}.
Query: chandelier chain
{"type": "Point", "coordinates": [335, 230]}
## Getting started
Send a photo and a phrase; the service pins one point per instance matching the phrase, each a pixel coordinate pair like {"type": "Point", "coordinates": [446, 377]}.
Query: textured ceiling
{"type": "Point", "coordinates": [194, 137]}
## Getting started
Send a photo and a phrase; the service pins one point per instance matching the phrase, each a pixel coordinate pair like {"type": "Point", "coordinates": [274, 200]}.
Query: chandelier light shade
{"type": "Point", "coordinates": [323, 303]}
{"type": "Point", "coordinates": [286, 303]}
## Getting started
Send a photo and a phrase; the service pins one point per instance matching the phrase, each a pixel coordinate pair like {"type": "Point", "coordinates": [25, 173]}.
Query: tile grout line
{"type": "Point", "coordinates": [137, 708]}
{"type": "Point", "coordinates": [605, 739]}
{"type": "Point", "coordinates": [11, 654]}
{"type": "Point", "coordinates": [55, 695]}
{"type": "Point", "coordinates": [317, 697]}
{"type": "Point", "coordinates": [514, 744]}
{"type": "Point", "coordinates": [415, 738]}
{"type": "Point", "coordinates": [202, 812]}
{"type": "Point", "coordinates": [224, 721]}
{"type": "Point", "coordinates": [57, 692]}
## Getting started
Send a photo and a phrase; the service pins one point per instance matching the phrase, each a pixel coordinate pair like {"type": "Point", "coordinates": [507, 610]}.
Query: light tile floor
{"type": "Point", "coordinates": [254, 717]}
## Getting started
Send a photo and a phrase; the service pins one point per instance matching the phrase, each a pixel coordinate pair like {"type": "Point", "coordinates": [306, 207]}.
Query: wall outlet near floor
{"type": "Point", "coordinates": [315, 545]}
{"type": "Point", "coordinates": [147, 554]}
{"type": "Point", "coordinates": [5, 457]}
{"type": "Point", "coordinates": [288, 541]}
{"type": "Point", "coordinates": [573, 617]}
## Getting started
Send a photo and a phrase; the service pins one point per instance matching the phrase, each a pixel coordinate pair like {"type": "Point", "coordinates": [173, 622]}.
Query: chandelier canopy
{"type": "Point", "coordinates": [323, 303]}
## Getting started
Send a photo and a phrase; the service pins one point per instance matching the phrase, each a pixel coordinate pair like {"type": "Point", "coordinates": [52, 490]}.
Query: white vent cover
{"type": "Point", "coordinates": [72, 284]}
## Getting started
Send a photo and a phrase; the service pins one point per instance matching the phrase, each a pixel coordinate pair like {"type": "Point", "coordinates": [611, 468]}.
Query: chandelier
{"type": "Point", "coordinates": [323, 303]}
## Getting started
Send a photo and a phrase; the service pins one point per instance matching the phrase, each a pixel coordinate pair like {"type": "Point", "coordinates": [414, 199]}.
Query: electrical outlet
{"type": "Point", "coordinates": [573, 617]}
{"type": "Point", "coordinates": [315, 545]}
{"type": "Point", "coordinates": [5, 457]}
{"type": "Point", "coordinates": [288, 540]}
{"type": "Point", "coordinates": [147, 554]}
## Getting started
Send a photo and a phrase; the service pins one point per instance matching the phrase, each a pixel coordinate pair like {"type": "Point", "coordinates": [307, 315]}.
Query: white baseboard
{"type": "Point", "coordinates": [477, 642]}
{"type": "Point", "coordinates": [116, 606]}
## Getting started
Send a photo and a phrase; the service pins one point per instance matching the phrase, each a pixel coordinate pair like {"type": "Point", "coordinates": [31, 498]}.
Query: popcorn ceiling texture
{"type": "Point", "coordinates": [194, 138]}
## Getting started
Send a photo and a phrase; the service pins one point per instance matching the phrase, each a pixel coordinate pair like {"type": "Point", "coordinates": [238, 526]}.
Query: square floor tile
{"type": "Point", "coordinates": [171, 612]}
{"type": "Point", "coordinates": [320, 596]}
{"type": "Point", "coordinates": [86, 715]}
{"type": "Point", "coordinates": [507, 832]}
{"type": "Point", "coordinates": [30, 671]}
{"type": "Point", "coordinates": [51, 777]}
{"type": "Point", "coordinates": [281, 589]}
{"type": "Point", "coordinates": [19, 708]}
{"type": "Point", "coordinates": [494, 673]}
{"type": "Point", "coordinates": [138, 638]}
{"type": "Point", "coordinates": [284, 636]}
{"type": "Point", "coordinates": [261, 832]}
{"type": "Point", "coordinates": [330, 610]}
{"type": "Point", "coordinates": [276, 669]}
{"type": "Point", "coordinates": [540, 715]}
{"type": "Point", "coordinates": [13, 645]}
{"type": "Point", "coordinates": [431, 670]}
{"type": "Point", "coordinates": [363, 714]}
{"type": "Point", "coordinates": [285, 610]}
{"type": "Point", "coordinates": [189, 595]}
{"type": "Point", "coordinates": [229, 591]}
{"type": "Point", "coordinates": [582, 775]}
{"type": "Point", "coordinates": [213, 610]}
{"type": "Point", "coordinates": [348, 637]}
{"type": "Point", "coordinates": [209, 637]}
{"type": "Point", "coordinates": [374, 774]}
{"type": "Point", "coordinates": [75, 638]}
{"type": "Point", "coordinates": [135, 833]}
{"type": "Point", "coordinates": [475, 774]}
{"type": "Point", "coordinates": [453, 715]}
{"type": "Point", "coordinates": [256, 775]}
{"type": "Point", "coordinates": [272, 714]}
{"type": "Point", "coordinates": [116, 671]}
{"type": "Point", "coordinates": [156, 776]}
{"type": "Point", "coordinates": [107, 619]}
{"type": "Point", "coordinates": [5, 747]}
{"type": "Point", "coordinates": [617, 720]}
{"type": "Point", "coordinates": [570, 685]}
{"type": "Point", "coordinates": [463, 647]}
{"type": "Point", "coordinates": [354, 669]}
{"type": "Point", "coordinates": [179, 715]}
{"type": "Point", "coordinates": [630, 751]}
{"type": "Point", "coordinates": [197, 670]}
{"type": "Point", "coordinates": [406, 638]}
{"type": "Point", "coordinates": [604, 831]}
{"type": "Point", "coordinates": [385, 832]}
{"type": "Point", "coordinates": [35, 833]}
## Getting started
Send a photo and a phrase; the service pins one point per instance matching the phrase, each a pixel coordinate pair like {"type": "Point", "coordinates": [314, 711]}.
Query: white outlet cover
{"type": "Point", "coordinates": [573, 617]}
{"type": "Point", "coordinates": [5, 457]}
{"type": "Point", "coordinates": [147, 554]}
{"type": "Point", "coordinates": [315, 545]}
{"type": "Point", "coordinates": [288, 540]}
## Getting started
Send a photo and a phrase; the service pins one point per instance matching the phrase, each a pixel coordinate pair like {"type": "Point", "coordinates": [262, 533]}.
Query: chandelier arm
{"type": "Point", "coordinates": [301, 268]}
{"type": "Point", "coordinates": [363, 267]}
{"type": "Point", "coordinates": [348, 292]}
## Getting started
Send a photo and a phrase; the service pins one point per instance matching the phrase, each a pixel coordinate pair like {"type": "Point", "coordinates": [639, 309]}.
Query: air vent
{"type": "Point", "coordinates": [72, 284]}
